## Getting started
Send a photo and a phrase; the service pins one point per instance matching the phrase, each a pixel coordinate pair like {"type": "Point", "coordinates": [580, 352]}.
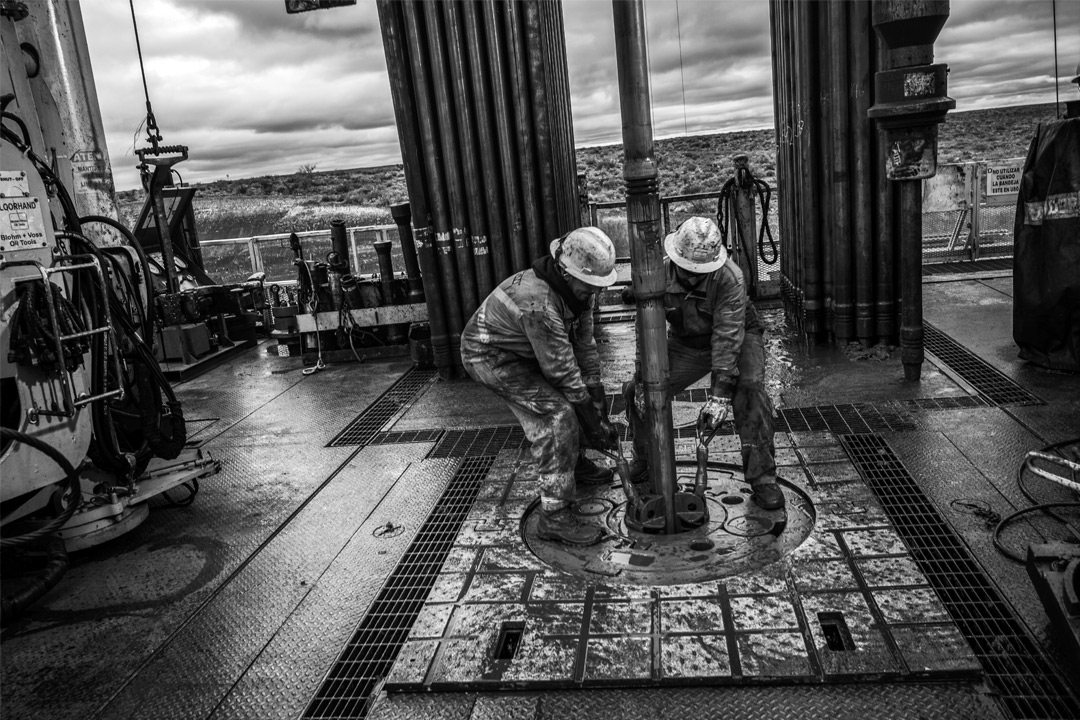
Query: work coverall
{"type": "Point", "coordinates": [526, 344]}
{"type": "Point", "coordinates": [715, 327]}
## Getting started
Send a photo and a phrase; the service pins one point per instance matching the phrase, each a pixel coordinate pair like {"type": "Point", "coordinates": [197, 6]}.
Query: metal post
{"type": "Point", "coordinates": [646, 253]}
{"type": "Point", "coordinates": [862, 177]}
{"type": "Point", "coordinates": [911, 315]}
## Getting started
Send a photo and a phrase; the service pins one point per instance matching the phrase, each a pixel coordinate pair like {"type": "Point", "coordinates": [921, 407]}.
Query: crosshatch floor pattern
{"type": "Point", "coordinates": [1013, 663]}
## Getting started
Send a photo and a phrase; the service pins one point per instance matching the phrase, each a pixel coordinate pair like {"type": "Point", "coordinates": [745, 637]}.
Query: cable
{"type": "Point", "coordinates": [22, 126]}
{"type": "Point", "coordinates": [71, 474]}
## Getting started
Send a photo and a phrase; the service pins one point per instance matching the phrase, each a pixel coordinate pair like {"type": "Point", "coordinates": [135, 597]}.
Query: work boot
{"type": "Point", "coordinates": [588, 472]}
{"type": "Point", "coordinates": [562, 527]}
{"type": "Point", "coordinates": [767, 494]}
{"type": "Point", "coordinates": [639, 471]}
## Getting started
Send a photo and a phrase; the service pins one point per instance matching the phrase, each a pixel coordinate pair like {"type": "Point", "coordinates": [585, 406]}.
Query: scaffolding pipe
{"type": "Point", "coordinates": [392, 22]}
{"type": "Point", "coordinates": [506, 131]}
{"type": "Point", "coordinates": [491, 178]}
{"type": "Point", "coordinates": [646, 253]}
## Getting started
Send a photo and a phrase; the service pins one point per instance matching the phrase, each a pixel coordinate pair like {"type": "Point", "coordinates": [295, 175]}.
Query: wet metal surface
{"type": "Point", "coordinates": [845, 604]}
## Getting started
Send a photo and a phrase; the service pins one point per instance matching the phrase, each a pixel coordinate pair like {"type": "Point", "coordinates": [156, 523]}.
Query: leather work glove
{"type": "Point", "coordinates": [598, 396]}
{"type": "Point", "coordinates": [627, 295]}
{"type": "Point", "coordinates": [600, 433]}
{"type": "Point", "coordinates": [715, 411]}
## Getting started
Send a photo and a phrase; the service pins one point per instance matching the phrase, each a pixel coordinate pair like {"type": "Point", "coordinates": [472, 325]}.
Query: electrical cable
{"type": "Point", "coordinates": [22, 126]}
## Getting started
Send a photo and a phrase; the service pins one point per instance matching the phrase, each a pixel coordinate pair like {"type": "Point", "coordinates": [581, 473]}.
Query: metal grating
{"type": "Point", "coordinates": [1014, 664]}
{"type": "Point", "coordinates": [367, 424]}
{"type": "Point", "coordinates": [991, 384]}
{"type": "Point", "coordinates": [400, 437]}
{"type": "Point", "coordinates": [479, 441]}
{"type": "Point", "coordinates": [846, 419]}
{"type": "Point", "coordinates": [970, 266]}
{"type": "Point", "coordinates": [353, 681]}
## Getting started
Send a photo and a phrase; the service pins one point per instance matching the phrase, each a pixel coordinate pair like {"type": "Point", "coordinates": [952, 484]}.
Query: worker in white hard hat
{"type": "Point", "coordinates": [713, 326]}
{"type": "Point", "coordinates": [1072, 107]}
{"type": "Point", "coordinates": [531, 342]}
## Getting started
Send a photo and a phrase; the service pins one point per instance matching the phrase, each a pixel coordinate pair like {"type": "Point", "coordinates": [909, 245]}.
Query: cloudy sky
{"type": "Point", "coordinates": [253, 90]}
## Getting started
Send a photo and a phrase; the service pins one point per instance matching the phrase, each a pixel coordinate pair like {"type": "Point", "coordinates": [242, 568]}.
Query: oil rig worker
{"type": "Point", "coordinates": [531, 342]}
{"type": "Point", "coordinates": [713, 326]}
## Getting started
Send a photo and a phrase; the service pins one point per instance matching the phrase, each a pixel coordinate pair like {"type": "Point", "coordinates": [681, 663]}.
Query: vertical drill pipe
{"type": "Point", "coordinates": [859, 34]}
{"type": "Point", "coordinates": [506, 131]}
{"type": "Point", "coordinates": [840, 129]}
{"type": "Point", "coordinates": [885, 261]}
{"type": "Point", "coordinates": [646, 254]}
{"type": "Point", "coordinates": [392, 22]}
{"type": "Point", "coordinates": [402, 215]}
{"type": "Point", "coordinates": [398, 331]}
{"type": "Point", "coordinates": [778, 12]}
{"type": "Point", "coordinates": [774, 58]}
{"type": "Point", "coordinates": [521, 93]}
{"type": "Point", "coordinates": [446, 120]}
{"type": "Point", "coordinates": [823, 162]}
{"type": "Point", "coordinates": [794, 204]}
{"type": "Point", "coordinates": [911, 330]}
{"type": "Point", "coordinates": [491, 178]}
{"type": "Point", "coordinates": [562, 126]}
{"type": "Point", "coordinates": [806, 44]}
{"type": "Point", "coordinates": [470, 154]}
{"type": "Point", "coordinates": [538, 104]}
{"type": "Point", "coordinates": [436, 192]}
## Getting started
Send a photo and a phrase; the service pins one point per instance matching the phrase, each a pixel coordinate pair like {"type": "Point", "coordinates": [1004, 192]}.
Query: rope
{"type": "Point", "coordinates": [682, 79]}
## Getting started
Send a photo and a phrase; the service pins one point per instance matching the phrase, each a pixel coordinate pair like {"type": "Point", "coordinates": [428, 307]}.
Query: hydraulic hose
{"type": "Point", "coordinates": [72, 476]}
{"type": "Point", "coordinates": [56, 565]}
{"type": "Point", "coordinates": [148, 304]}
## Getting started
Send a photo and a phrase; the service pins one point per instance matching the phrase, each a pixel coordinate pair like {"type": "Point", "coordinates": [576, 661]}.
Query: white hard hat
{"type": "Point", "coordinates": [696, 245]}
{"type": "Point", "coordinates": [587, 254]}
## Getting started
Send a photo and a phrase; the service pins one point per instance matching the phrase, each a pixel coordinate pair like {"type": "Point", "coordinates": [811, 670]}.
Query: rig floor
{"type": "Point", "coordinates": [365, 553]}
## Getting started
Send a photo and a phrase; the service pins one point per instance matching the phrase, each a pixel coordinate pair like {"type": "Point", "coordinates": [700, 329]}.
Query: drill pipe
{"type": "Point", "coordinates": [479, 72]}
{"type": "Point", "coordinates": [392, 22]}
{"type": "Point", "coordinates": [466, 139]}
{"type": "Point", "coordinates": [862, 179]}
{"type": "Point", "coordinates": [646, 253]}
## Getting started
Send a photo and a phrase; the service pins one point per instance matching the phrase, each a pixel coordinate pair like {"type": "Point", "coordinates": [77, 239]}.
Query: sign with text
{"type": "Point", "coordinates": [1003, 179]}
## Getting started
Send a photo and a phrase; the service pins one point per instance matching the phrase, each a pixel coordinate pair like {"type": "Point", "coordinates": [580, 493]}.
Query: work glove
{"type": "Point", "coordinates": [598, 396]}
{"type": "Point", "coordinates": [715, 411]}
{"type": "Point", "coordinates": [627, 295]}
{"type": "Point", "coordinates": [599, 433]}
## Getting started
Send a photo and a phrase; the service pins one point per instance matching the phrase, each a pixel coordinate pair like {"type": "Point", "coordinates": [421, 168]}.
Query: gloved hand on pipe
{"type": "Point", "coordinates": [715, 411]}
{"type": "Point", "coordinates": [599, 433]}
{"type": "Point", "coordinates": [627, 295]}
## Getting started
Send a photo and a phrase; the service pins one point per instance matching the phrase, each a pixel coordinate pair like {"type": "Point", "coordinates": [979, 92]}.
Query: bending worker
{"type": "Point", "coordinates": [712, 325]}
{"type": "Point", "coordinates": [531, 342]}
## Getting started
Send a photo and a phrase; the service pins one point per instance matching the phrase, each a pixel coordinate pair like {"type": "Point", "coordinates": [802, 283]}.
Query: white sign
{"type": "Point", "coordinates": [1003, 179]}
{"type": "Point", "coordinates": [22, 226]}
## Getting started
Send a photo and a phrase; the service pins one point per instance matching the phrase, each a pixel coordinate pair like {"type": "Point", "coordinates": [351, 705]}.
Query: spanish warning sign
{"type": "Point", "coordinates": [1003, 179]}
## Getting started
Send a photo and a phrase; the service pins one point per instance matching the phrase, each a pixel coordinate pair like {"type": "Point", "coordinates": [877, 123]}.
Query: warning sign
{"type": "Point", "coordinates": [1003, 179]}
{"type": "Point", "coordinates": [22, 225]}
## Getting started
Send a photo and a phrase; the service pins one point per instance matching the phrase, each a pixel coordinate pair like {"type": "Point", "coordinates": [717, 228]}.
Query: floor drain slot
{"type": "Point", "coordinates": [836, 632]}
{"type": "Point", "coordinates": [509, 640]}
{"type": "Point", "coordinates": [992, 385]}
{"type": "Point", "coordinates": [1027, 683]}
{"type": "Point", "coordinates": [365, 426]}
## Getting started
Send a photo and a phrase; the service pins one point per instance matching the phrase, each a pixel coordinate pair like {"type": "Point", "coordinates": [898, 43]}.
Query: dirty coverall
{"type": "Point", "coordinates": [714, 326]}
{"type": "Point", "coordinates": [526, 343]}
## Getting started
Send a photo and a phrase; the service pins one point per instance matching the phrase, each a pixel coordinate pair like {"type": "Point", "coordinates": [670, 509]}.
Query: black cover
{"type": "Point", "coordinates": [1046, 265]}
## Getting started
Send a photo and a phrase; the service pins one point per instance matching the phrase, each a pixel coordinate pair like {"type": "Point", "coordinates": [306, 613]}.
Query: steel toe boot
{"type": "Point", "coordinates": [588, 472]}
{"type": "Point", "coordinates": [639, 471]}
{"type": "Point", "coordinates": [562, 527]}
{"type": "Point", "coordinates": [767, 494]}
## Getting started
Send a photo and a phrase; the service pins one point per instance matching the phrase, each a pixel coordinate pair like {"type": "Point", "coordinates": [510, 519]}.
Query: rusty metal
{"type": "Point", "coordinates": [465, 123]}
{"type": "Point", "coordinates": [492, 180]}
{"type": "Point", "coordinates": [410, 138]}
{"type": "Point", "coordinates": [506, 133]}
{"type": "Point", "coordinates": [646, 252]}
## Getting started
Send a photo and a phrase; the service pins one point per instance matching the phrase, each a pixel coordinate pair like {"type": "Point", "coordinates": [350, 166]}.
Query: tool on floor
{"type": "Point", "coordinates": [622, 467]}
{"type": "Point", "coordinates": [701, 479]}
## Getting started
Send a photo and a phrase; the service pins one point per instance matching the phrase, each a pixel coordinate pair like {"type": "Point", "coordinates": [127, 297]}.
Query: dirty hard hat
{"type": "Point", "coordinates": [696, 245]}
{"type": "Point", "coordinates": [587, 254]}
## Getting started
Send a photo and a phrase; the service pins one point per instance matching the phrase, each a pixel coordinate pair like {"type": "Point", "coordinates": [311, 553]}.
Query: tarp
{"type": "Point", "coordinates": [1046, 263]}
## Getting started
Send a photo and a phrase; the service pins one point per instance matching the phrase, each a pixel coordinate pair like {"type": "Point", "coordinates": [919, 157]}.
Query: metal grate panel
{"type": "Point", "coordinates": [848, 419]}
{"type": "Point", "coordinates": [991, 384]}
{"type": "Point", "coordinates": [970, 266]}
{"type": "Point", "coordinates": [349, 687]}
{"type": "Point", "coordinates": [479, 442]}
{"type": "Point", "coordinates": [367, 424]}
{"type": "Point", "coordinates": [399, 437]}
{"type": "Point", "coordinates": [1014, 664]}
